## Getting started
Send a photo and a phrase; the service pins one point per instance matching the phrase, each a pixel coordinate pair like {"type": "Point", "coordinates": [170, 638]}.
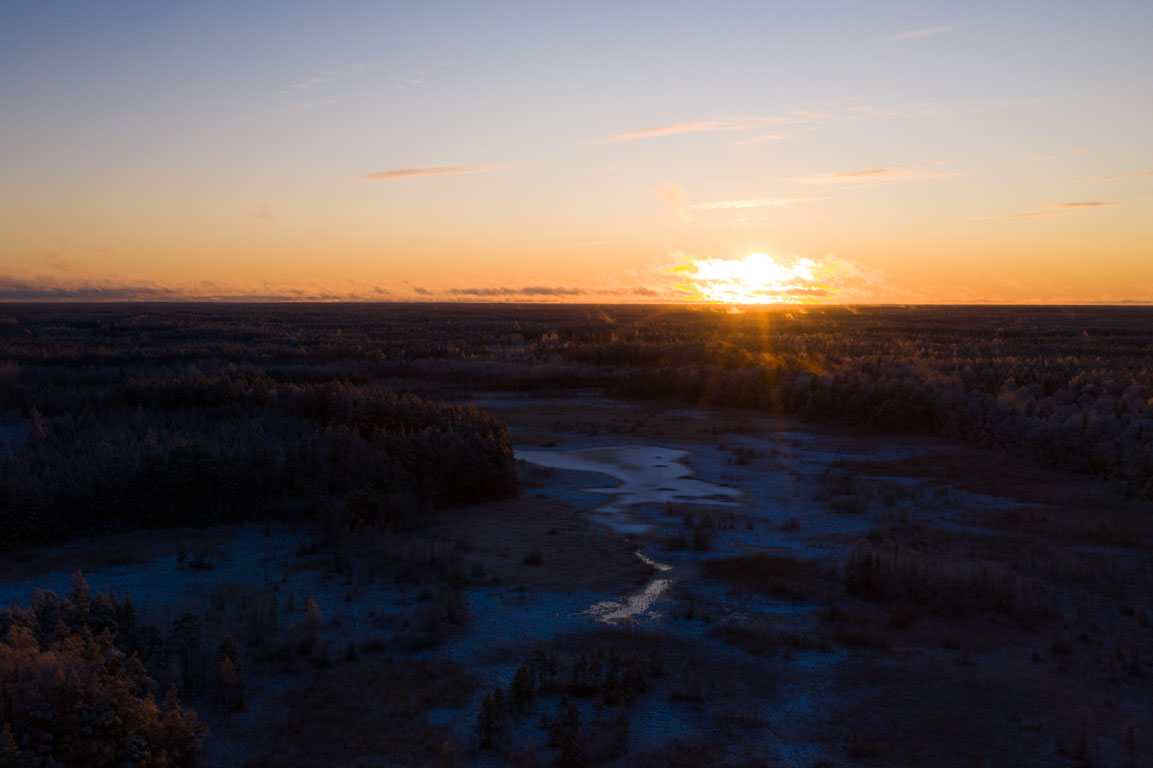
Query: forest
{"type": "Point", "coordinates": [362, 431]}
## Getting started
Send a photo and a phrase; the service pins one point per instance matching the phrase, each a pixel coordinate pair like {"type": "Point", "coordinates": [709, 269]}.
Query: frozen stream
{"type": "Point", "coordinates": [647, 474]}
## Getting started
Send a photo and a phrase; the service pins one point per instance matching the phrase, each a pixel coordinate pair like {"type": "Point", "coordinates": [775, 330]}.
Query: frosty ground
{"type": "Point", "coordinates": [723, 543]}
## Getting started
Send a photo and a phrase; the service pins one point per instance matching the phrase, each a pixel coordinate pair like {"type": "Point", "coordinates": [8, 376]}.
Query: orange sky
{"type": "Point", "coordinates": [606, 152]}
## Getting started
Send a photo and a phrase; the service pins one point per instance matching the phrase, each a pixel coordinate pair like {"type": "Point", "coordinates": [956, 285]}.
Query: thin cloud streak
{"type": "Point", "coordinates": [919, 34]}
{"type": "Point", "coordinates": [1030, 215]}
{"type": "Point", "coordinates": [96, 290]}
{"type": "Point", "coordinates": [1133, 175]}
{"type": "Point", "coordinates": [1063, 209]}
{"type": "Point", "coordinates": [532, 290]}
{"type": "Point", "coordinates": [725, 205]}
{"type": "Point", "coordinates": [875, 174]}
{"type": "Point", "coordinates": [796, 117]}
{"type": "Point", "coordinates": [800, 117]}
{"type": "Point", "coordinates": [428, 170]}
{"type": "Point", "coordinates": [695, 126]}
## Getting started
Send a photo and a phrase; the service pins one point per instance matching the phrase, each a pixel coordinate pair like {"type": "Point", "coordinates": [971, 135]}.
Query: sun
{"type": "Point", "coordinates": [758, 278]}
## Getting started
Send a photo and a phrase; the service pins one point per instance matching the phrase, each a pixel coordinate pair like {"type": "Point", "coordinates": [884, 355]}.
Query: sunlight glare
{"type": "Point", "coordinates": [758, 278]}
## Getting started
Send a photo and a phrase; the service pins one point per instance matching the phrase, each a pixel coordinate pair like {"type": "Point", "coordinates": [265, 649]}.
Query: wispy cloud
{"type": "Point", "coordinates": [1132, 175]}
{"type": "Point", "coordinates": [766, 127]}
{"type": "Point", "coordinates": [428, 170]}
{"type": "Point", "coordinates": [725, 205]}
{"type": "Point", "coordinates": [1029, 215]}
{"type": "Point", "coordinates": [1062, 209]}
{"type": "Point", "coordinates": [264, 215]}
{"type": "Point", "coordinates": [919, 34]}
{"type": "Point", "coordinates": [417, 77]}
{"type": "Point", "coordinates": [676, 198]}
{"type": "Point", "coordinates": [532, 290]}
{"type": "Point", "coordinates": [796, 117]}
{"type": "Point", "coordinates": [321, 78]}
{"type": "Point", "coordinates": [695, 126]}
{"type": "Point", "coordinates": [111, 289]}
{"type": "Point", "coordinates": [875, 174]}
{"type": "Point", "coordinates": [47, 289]}
{"type": "Point", "coordinates": [761, 139]}
{"type": "Point", "coordinates": [411, 80]}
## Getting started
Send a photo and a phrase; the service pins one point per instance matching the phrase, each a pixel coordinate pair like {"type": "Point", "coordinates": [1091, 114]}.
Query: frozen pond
{"type": "Point", "coordinates": [648, 474]}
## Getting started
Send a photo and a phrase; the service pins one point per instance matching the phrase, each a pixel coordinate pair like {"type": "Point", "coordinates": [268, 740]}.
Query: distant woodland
{"type": "Point", "coordinates": [348, 419]}
{"type": "Point", "coordinates": [157, 415]}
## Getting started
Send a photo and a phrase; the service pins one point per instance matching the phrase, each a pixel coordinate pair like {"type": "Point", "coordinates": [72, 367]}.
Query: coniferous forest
{"type": "Point", "coordinates": [340, 535]}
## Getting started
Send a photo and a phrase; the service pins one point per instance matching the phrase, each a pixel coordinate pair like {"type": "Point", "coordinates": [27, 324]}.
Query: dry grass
{"type": "Point", "coordinates": [681, 753]}
{"type": "Point", "coordinates": [574, 554]}
{"type": "Point", "coordinates": [371, 713]}
{"type": "Point", "coordinates": [90, 554]}
{"type": "Point", "coordinates": [762, 637]}
{"type": "Point", "coordinates": [1065, 507]}
{"type": "Point", "coordinates": [931, 712]}
{"type": "Point", "coordinates": [893, 573]}
{"type": "Point", "coordinates": [776, 575]}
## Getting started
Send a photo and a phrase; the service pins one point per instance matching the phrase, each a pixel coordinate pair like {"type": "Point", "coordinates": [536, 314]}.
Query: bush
{"type": "Point", "coordinates": [893, 573]}
{"type": "Point", "coordinates": [775, 575]}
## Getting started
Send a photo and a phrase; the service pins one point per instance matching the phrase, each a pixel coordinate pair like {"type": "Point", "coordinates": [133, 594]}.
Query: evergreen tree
{"type": "Point", "coordinates": [9, 752]}
{"type": "Point", "coordinates": [492, 721]}
{"type": "Point", "coordinates": [184, 644]}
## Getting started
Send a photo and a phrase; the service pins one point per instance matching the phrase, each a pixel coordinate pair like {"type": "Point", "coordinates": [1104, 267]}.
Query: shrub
{"type": "Point", "coordinates": [952, 587]}
{"type": "Point", "coordinates": [775, 575]}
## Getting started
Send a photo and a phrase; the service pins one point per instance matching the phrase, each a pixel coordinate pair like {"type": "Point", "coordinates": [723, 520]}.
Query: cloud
{"type": "Point", "coordinates": [861, 111]}
{"type": "Point", "coordinates": [47, 289]}
{"type": "Point", "coordinates": [920, 34]}
{"type": "Point", "coordinates": [1029, 215]}
{"type": "Point", "coordinates": [532, 290]}
{"type": "Point", "coordinates": [50, 289]}
{"type": "Point", "coordinates": [1133, 175]}
{"type": "Point", "coordinates": [410, 80]}
{"type": "Point", "coordinates": [642, 291]}
{"type": "Point", "coordinates": [322, 78]}
{"type": "Point", "coordinates": [675, 197]}
{"type": "Point", "coordinates": [695, 126]}
{"type": "Point", "coordinates": [796, 117]}
{"type": "Point", "coordinates": [761, 139]}
{"type": "Point", "coordinates": [725, 205]}
{"type": "Point", "coordinates": [1063, 208]}
{"type": "Point", "coordinates": [875, 174]}
{"type": "Point", "coordinates": [428, 170]}
{"type": "Point", "coordinates": [264, 215]}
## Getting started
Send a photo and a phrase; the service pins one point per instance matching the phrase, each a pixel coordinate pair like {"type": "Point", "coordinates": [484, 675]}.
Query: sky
{"type": "Point", "coordinates": [743, 152]}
